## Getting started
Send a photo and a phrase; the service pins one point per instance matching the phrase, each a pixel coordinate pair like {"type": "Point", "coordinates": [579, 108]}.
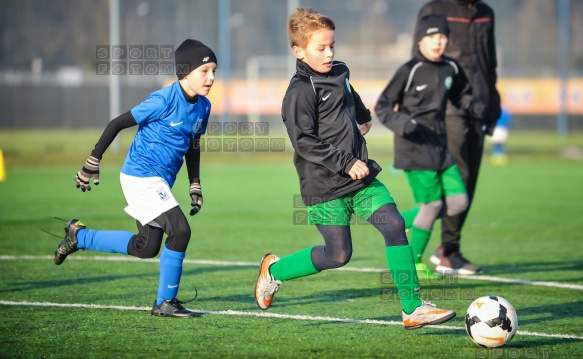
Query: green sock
{"type": "Point", "coordinates": [298, 264]}
{"type": "Point", "coordinates": [419, 239]}
{"type": "Point", "coordinates": [409, 216]}
{"type": "Point", "coordinates": [402, 266]}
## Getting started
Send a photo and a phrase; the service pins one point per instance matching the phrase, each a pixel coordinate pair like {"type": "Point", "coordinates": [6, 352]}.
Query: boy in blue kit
{"type": "Point", "coordinates": [325, 120]}
{"type": "Point", "coordinates": [413, 106]}
{"type": "Point", "coordinates": [170, 122]}
{"type": "Point", "coordinates": [499, 137]}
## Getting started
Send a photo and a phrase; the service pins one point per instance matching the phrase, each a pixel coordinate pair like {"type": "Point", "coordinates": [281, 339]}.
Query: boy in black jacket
{"type": "Point", "coordinates": [413, 106]}
{"type": "Point", "coordinates": [472, 43]}
{"type": "Point", "coordinates": [325, 120]}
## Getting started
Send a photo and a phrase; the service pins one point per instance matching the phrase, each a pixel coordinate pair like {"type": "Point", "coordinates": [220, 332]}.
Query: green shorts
{"type": "Point", "coordinates": [430, 186]}
{"type": "Point", "coordinates": [362, 203]}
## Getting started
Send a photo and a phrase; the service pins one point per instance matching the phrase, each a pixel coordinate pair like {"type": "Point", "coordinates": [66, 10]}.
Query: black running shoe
{"type": "Point", "coordinates": [171, 308]}
{"type": "Point", "coordinates": [69, 244]}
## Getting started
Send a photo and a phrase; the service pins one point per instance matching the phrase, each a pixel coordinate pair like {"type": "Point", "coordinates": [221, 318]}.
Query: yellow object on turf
{"type": "Point", "coordinates": [2, 167]}
{"type": "Point", "coordinates": [499, 159]}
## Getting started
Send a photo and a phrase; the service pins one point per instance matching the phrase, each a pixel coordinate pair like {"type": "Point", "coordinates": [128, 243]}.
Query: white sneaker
{"type": "Point", "coordinates": [266, 285]}
{"type": "Point", "coordinates": [436, 257]}
{"type": "Point", "coordinates": [426, 314]}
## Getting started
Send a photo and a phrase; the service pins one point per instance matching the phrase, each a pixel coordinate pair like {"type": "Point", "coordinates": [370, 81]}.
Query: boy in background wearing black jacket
{"type": "Point", "coordinates": [472, 43]}
{"type": "Point", "coordinates": [325, 120]}
{"type": "Point", "coordinates": [413, 107]}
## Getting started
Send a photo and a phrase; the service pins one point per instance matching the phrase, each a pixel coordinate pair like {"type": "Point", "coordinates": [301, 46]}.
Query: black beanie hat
{"type": "Point", "coordinates": [190, 55]}
{"type": "Point", "coordinates": [431, 24]}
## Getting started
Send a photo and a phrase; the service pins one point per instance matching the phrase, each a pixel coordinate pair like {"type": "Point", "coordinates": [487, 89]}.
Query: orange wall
{"type": "Point", "coordinates": [519, 95]}
{"type": "Point", "coordinates": [540, 96]}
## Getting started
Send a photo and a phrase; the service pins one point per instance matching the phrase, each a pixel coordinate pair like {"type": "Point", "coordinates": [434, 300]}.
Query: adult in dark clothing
{"type": "Point", "coordinates": [472, 44]}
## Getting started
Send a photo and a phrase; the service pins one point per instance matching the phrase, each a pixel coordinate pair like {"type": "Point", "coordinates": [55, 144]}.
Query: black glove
{"type": "Point", "coordinates": [196, 195]}
{"type": "Point", "coordinates": [410, 127]}
{"type": "Point", "coordinates": [478, 109]}
{"type": "Point", "coordinates": [90, 169]}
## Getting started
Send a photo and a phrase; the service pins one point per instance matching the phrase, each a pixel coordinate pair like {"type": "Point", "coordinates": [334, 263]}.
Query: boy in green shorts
{"type": "Point", "coordinates": [413, 106]}
{"type": "Point", "coordinates": [326, 120]}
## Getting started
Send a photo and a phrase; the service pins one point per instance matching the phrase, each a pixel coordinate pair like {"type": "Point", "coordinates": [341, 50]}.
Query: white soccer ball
{"type": "Point", "coordinates": [491, 321]}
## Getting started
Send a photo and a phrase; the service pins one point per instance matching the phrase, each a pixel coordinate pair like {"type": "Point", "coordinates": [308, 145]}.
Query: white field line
{"type": "Point", "coordinates": [271, 315]}
{"type": "Point", "coordinates": [255, 264]}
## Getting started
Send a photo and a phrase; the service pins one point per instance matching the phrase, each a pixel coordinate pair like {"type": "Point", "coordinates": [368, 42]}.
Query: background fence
{"type": "Point", "coordinates": [50, 57]}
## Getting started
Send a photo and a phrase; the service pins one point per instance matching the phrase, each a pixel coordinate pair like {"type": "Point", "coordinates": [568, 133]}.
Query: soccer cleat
{"type": "Point", "coordinates": [455, 263]}
{"type": "Point", "coordinates": [425, 274]}
{"type": "Point", "coordinates": [426, 314]}
{"type": "Point", "coordinates": [266, 285]}
{"type": "Point", "coordinates": [436, 257]}
{"type": "Point", "coordinates": [69, 244]}
{"type": "Point", "coordinates": [171, 308]}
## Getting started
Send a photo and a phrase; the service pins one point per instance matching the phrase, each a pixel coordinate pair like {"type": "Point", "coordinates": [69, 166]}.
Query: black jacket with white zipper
{"type": "Point", "coordinates": [472, 44]}
{"type": "Point", "coordinates": [419, 91]}
{"type": "Point", "coordinates": [321, 113]}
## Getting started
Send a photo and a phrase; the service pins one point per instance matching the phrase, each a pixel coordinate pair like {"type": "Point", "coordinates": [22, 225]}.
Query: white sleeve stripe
{"type": "Point", "coordinates": [452, 64]}
{"type": "Point", "coordinates": [411, 75]}
{"type": "Point", "coordinates": [314, 87]}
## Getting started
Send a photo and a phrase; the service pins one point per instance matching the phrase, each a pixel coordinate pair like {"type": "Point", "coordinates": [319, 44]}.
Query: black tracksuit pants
{"type": "Point", "coordinates": [465, 141]}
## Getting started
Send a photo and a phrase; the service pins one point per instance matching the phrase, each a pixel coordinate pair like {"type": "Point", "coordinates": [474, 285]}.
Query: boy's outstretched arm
{"type": "Point", "coordinates": [91, 167]}
{"type": "Point", "coordinates": [192, 159]}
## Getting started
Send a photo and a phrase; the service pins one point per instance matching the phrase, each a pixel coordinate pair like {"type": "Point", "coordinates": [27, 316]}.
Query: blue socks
{"type": "Point", "coordinates": [170, 273]}
{"type": "Point", "coordinates": [104, 241]}
{"type": "Point", "coordinates": [117, 242]}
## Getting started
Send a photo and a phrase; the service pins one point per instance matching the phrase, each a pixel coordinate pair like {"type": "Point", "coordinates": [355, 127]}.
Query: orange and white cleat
{"type": "Point", "coordinates": [426, 314]}
{"type": "Point", "coordinates": [266, 285]}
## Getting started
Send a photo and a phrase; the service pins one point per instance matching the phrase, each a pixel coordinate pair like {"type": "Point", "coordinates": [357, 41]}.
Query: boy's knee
{"type": "Point", "coordinates": [387, 220]}
{"type": "Point", "coordinates": [183, 233]}
{"type": "Point", "coordinates": [341, 260]}
{"type": "Point", "coordinates": [176, 226]}
{"type": "Point", "coordinates": [434, 207]}
{"type": "Point", "coordinates": [144, 247]}
{"type": "Point", "coordinates": [397, 222]}
{"type": "Point", "coordinates": [458, 204]}
{"type": "Point", "coordinates": [178, 240]}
